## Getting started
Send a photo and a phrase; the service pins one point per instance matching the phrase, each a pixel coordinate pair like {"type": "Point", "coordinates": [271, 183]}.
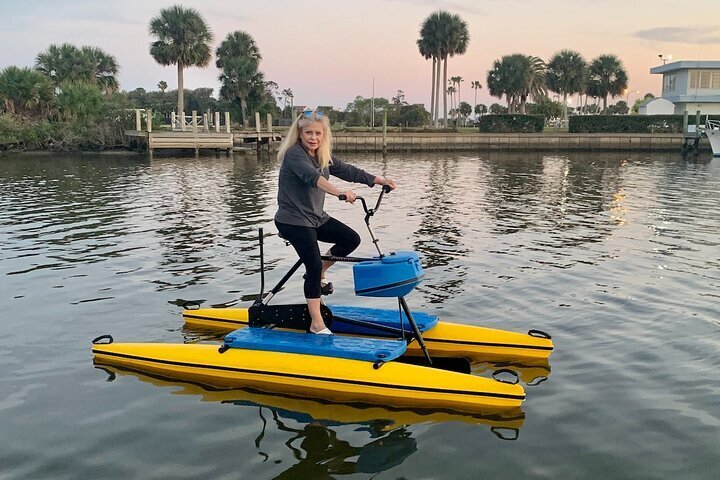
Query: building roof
{"type": "Point", "coordinates": [686, 65]}
{"type": "Point", "coordinates": [654, 99]}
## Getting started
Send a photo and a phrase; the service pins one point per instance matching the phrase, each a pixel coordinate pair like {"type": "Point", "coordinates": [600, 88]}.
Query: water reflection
{"type": "Point", "coordinates": [320, 453]}
{"type": "Point", "coordinates": [251, 201]}
{"type": "Point", "coordinates": [439, 237]}
{"type": "Point", "coordinates": [62, 212]}
{"type": "Point", "coordinates": [317, 429]}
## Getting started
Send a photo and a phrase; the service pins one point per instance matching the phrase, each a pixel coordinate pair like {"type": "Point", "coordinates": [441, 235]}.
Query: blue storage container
{"type": "Point", "coordinates": [393, 275]}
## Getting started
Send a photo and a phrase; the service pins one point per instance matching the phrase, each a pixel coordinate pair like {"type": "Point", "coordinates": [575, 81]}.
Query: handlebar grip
{"type": "Point", "coordinates": [342, 197]}
{"type": "Point", "coordinates": [387, 189]}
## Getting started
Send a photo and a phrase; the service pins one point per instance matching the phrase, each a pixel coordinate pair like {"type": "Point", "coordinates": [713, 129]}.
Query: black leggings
{"type": "Point", "coordinates": [305, 241]}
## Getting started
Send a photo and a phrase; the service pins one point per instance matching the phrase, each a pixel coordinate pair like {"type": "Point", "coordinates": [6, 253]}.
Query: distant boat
{"type": "Point", "coordinates": [712, 132]}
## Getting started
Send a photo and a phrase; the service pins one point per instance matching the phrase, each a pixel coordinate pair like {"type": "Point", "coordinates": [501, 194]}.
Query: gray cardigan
{"type": "Point", "coordinates": [300, 202]}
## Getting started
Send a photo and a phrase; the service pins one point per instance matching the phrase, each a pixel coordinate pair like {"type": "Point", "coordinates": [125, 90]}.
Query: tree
{"type": "Point", "coordinates": [413, 116]}
{"type": "Point", "coordinates": [475, 85]}
{"type": "Point", "coordinates": [442, 35]}
{"type": "Point", "coordinates": [546, 107]}
{"type": "Point", "coordinates": [534, 82]}
{"type": "Point", "coordinates": [455, 81]}
{"type": "Point", "coordinates": [451, 91]}
{"type": "Point", "coordinates": [455, 43]}
{"type": "Point", "coordinates": [607, 76]}
{"type": "Point", "coordinates": [636, 106]}
{"type": "Point", "coordinates": [104, 69]}
{"type": "Point", "coordinates": [518, 77]}
{"type": "Point", "coordinates": [183, 39]}
{"type": "Point", "coordinates": [496, 109]}
{"type": "Point", "coordinates": [287, 94]}
{"type": "Point", "coordinates": [507, 78]}
{"type": "Point", "coordinates": [79, 101]}
{"type": "Point", "coordinates": [430, 45]}
{"type": "Point", "coordinates": [480, 109]}
{"type": "Point", "coordinates": [162, 85]}
{"type": "Point", "coordinates": [68, 64]}
{"type": "Point", "coordinates": [238, 58]}
{"type": "Point", "coordinates": [620, 108]}
{"type": "Point", "coordinates": [25, 91]}
{"type": "Point", "coordinates": [566, 75]}
{"type": "Point", "coordinates": [359, 111]}
{"type": "Point", "coordinates": [465, 110]}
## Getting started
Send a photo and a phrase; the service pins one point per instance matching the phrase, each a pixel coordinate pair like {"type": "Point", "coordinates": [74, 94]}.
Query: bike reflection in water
{"type": "Point", "coordinates": [314, 424]}
{"type": "Point", "coordinates": [320, 453]}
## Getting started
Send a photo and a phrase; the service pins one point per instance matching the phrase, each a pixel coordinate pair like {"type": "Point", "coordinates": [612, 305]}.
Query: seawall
{"type": "Point", "coordinates": [417, 142]}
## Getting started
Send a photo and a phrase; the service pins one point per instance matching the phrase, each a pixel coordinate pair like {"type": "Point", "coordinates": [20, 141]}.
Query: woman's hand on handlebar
{"type": "Point", "coordinates": [348, 196]}
{"type": "Point", "coordinates": [388, 183]}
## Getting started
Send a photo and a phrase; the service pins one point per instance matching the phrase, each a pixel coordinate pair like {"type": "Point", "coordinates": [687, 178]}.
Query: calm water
{"type": "Point", "coordinates": [616, 255]}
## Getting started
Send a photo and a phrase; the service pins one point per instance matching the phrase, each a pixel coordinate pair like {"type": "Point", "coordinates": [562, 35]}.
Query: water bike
{"type": "Point", "coordinates": [275, 354]}
{"type": "Point", "coordinates": [383, 276]}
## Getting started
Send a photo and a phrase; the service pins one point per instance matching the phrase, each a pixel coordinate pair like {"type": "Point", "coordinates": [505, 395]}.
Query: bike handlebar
{"type": "Point", "coordinates": [369, 211]}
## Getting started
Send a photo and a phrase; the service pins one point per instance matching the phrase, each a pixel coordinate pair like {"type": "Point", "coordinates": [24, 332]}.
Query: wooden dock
{"type": "Point", "coordinates": [196, 133]}
{"type": "Point", "coordinates": [168, 139]}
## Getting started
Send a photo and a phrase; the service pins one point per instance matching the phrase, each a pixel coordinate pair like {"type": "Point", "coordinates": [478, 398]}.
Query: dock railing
{"type": "Point", "coordinates": [207, 122]}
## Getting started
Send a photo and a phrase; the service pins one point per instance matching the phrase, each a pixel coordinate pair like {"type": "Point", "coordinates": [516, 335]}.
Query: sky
{"type": "Point", "coordinates": [330, 51]}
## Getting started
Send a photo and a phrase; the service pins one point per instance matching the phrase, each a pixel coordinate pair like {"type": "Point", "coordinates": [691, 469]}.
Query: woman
{"type": "Point", "coordinates": [307, 163]}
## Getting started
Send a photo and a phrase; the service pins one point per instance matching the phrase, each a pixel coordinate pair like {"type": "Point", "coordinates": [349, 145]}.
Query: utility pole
{"type": "Point", "coordinates": [372, 106]}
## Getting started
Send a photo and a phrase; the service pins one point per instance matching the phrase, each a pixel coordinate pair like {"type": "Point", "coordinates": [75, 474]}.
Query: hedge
{"type": "Point", "coordinates": [511, 123]}
{"type": "Point", "coordinates": [629, 123]}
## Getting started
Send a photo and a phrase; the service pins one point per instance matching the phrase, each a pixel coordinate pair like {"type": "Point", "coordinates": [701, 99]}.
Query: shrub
{"type": "Point", "coordinates": [511, 123]}
{"type": "Point", "coordinates": [628, 123]}
{"type": "Point", "coordinates": [9, 132]}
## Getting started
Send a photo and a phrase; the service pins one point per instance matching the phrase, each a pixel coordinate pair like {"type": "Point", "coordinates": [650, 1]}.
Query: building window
{"type": "Point", "coordinates": [704, 79]}
{"type": "Point", "coordinates": [670, 82]}
{"type": "Point", "coordinates": [694, 78]}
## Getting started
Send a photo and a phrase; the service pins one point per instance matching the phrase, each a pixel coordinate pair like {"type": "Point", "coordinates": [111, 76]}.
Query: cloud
{"type": "Point", "coordinates": [469, 8]}
{"type": "Point", "coordinates": [693, 35]}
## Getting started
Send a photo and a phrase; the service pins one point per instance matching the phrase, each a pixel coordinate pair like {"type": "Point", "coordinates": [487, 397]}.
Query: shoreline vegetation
{"type": "Point", "coordinates": [70, 100]}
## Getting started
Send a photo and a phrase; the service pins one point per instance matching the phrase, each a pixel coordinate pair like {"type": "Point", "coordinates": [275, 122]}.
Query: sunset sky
{"type": "Point", "coordinates": [328, 52]}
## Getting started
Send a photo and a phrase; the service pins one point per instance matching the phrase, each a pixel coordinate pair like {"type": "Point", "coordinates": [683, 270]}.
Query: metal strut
{"type": "Point", "coordinates": [416, 330]}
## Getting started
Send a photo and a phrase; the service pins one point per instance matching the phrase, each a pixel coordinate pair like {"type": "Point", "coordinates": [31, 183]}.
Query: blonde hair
{"type": "Point", "coordinates": [324, 151]}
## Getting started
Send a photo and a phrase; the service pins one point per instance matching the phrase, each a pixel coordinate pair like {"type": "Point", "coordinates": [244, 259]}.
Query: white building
{"type": "Point", "coordinates": [691, 85]}
{"type": "Point", "coordinates": [656, 106]}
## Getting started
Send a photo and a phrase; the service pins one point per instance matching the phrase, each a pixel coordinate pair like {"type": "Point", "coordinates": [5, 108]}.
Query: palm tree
{"type": "Point", "coordinates": [455, 42]}
{"type": "Point", "coordinates": [465, 110]}
{"type": "Point", "coordinates": [475, 85]}
{"type": "Point", "coordinates": [23, 90]}
{"type": "Point", "coordinates": [442, 34]}
{"type": "Point", "coordinates": [429, 44]}
{"type": "Point", "coordinates": [456, 83]}
{"type": "Point", "coordinates": [566, 75]}
{"type": "Point", "coordinates": [534, 84]}
{"type": "Point", "coordinates": [104, 68]}
{"type": "Point", "coordinates": [162, 85]}
{"type": "Point", "coordinates": [607, 76]}
{"type": "Point", "coordinates": [67, 63]}
{"type": "Point", "coordinates": [183, 39]}
{"type": "Point", "coordinates": [480, 109]}
{"type": "Point", "coordinates": [61, 63]}
{"type": "Point", "coordinates": [518, 77]}
{"type": "Point", "coordinates": [287, 94]}
{"type": "Point", "coordinates": [238, 57]}
{"type": "Point", "coordinates": [451, 91]}
{"type": "Point", "coordinates": [507, 77]}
